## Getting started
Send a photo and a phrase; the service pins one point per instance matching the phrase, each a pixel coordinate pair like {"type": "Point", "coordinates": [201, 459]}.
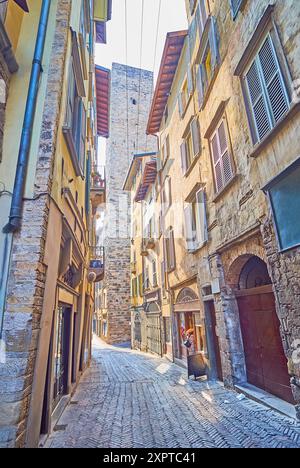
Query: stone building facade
{"type": "Point", "coordinates": [230, 126]}
{"type": "Point", "coordinates": [131, 93]}
{"type": "Point", "coordinates": [46, 295]}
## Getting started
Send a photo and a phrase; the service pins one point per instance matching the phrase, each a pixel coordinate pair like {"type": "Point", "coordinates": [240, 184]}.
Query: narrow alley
{"type": "Point", "coordinates": [130, 399]}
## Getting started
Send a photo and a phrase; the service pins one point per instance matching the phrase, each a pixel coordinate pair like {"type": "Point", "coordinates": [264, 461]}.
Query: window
{"type": "Point", "coordinates": [266, 92]}
{"type": "Point", "coordinates": [154, 273]}
{"type": "Point", "coordinates": [284, 195]}
{"type": "Point", "coordinates": [190, 147]}
{"type": "Point", "coordinates": [201, 16]}
{"type": "Point", "coordinates": [235, 6]}
{"type": "Point", "coordinates": [163, 278]}
{"type": "Point", "coordinates": [75, 121]}
{"type": "Point", "coordinates": [141, 288]}
{"type": "Point", "coordinates": [167, 194]}
{"type": "Point", "coordinates": [165, 151]}
{"type": "Point", "coordinates": [196, 222]}
{"type": "Point", "coordinates": [146, 279]}
{"type": "Point", "coordinates": [134, 287]}
{"type": "Point", "coordinates": [221, 157]}
{"type": "Point", "coordinates": [205, 70]}
{"type": "Point", "coordinates": [170, 250]}
{"type": "Point", "coordinates": [192, 4]}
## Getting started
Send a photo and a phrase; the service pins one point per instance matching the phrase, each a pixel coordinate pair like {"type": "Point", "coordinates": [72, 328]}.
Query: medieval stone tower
{"type": "Point", "coordinates": [131, 95]}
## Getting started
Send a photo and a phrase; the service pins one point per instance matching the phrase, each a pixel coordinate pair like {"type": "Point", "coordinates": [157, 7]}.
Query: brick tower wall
{"type": "Point", "coordinates": [134, 86]}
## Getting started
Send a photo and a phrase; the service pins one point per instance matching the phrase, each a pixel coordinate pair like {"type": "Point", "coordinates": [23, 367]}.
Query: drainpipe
{"type": "Point", "coordinates": [15, 217]}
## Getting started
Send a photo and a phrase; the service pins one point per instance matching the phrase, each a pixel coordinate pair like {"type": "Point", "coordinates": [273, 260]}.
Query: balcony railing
{"type": "Point", "coordinates": [98, 179]}
{"type": "Point", "coordinates": [97, 262]}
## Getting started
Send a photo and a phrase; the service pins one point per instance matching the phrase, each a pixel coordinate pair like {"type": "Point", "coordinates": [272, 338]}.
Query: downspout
{"type": "Point", "coordinates": [15, 217]}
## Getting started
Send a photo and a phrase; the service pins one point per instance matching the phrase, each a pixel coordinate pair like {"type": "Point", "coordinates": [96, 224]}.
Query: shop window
{"type": "Point", "coordinates": [196, 232]}
{"type": "Point", "coordinates": [190, 147]}
{"type": "Point", "coordinates": [284, 195]}
{"type": "Point", "coordinates": [221, 156]}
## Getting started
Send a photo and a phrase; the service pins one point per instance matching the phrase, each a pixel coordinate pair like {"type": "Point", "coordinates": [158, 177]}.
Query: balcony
{"type": "Point", "coordinates": [97, 262]}
{"type": "Point", "coordinates": [98, 187]}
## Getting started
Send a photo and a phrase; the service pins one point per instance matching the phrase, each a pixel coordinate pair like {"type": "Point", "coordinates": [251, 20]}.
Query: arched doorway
{"type": "Point", "coordinates": [266, 363]}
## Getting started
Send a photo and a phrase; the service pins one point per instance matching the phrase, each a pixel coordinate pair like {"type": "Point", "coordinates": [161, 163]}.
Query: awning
{"type": "Point", "coordinates": [103, 100]}
{"type": "Point", "coordinates": [171, 55]}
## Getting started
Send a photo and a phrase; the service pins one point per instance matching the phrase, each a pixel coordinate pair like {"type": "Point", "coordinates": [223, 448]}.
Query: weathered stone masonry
{"type": "Point", "coordinates": [135, 86]}
{"type": "Point", "coordinates": [27, 271]}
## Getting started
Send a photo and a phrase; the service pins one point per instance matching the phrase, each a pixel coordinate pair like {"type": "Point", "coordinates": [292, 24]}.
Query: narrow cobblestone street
{"type": "Point", "coordinates": [129, 399]}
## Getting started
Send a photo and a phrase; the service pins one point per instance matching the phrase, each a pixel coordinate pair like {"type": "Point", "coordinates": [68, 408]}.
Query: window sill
{"type": "Point", "coordinates": [274, 132]}
{"type": "Point", "coordinates": [197, 249]}
{"type": "Point", "coordinates": [226, 188]}
{"type": "Point", "coordinates": [72, 150]}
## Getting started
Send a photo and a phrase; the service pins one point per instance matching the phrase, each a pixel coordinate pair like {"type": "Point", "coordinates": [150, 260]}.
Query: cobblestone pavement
{"type": "Point", "coordinates": [129, 399]}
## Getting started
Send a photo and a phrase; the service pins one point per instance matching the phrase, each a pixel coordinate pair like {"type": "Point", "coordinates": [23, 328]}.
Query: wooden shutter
{"type": "Point", "coordinates": [195, 131]}
{"type": "Point", "coordinates": [141, 291]}
{"type": "Point", "coordinates": [183, 157]}
{"type": "Point", "coordinates": [235, 6]}
{"type": "Point", "coordinates": [88, 183]}
{"type": "Point", "coordinates": [71, 98]}
{"type": "Point", "coordinates": [213, 42]}
{"type": "Point", "coordinates": [201, 221]}
{"type": "Point", "coordinates": [221, 157]}
{"type": "Point", "coordinates": [262, 121]}
{"type": "Point", "coordinates": [169, 187]}
{"type": "Point", "coordinates": [190, 80]}
{"type": "Point", "coordinates": [202, 16]}
{"type": "Point", "coordinates": [273, 80]}
{"type": "Point", "coordinates": [82, 130]}
{"type": "Point", "coordinates": [163, 279]}
{"type": "Point", "coordinates": [180, 104]}
{"type": "Point", "coordinates": [171, 250]}
{"type": "Point", "coordinates": [199, 84]}
{"type": "Point", "coordinates": [189, 235]}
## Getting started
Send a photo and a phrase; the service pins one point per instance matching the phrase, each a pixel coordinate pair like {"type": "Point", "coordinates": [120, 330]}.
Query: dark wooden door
{"type": "Point", "coordinates": [265, 359]}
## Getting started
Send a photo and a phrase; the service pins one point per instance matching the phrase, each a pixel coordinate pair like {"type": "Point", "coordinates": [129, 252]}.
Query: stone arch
{"type": "Point", "coordinates": [254, 274]}
{"type": "Point", "coordinates": [238, 264]}
{"type": "Point", "coordinates": [186, 295]}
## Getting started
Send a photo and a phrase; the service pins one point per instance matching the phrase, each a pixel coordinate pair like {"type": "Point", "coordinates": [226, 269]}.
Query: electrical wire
{"type": "Point", "coordinates": [127, 93]}
{"type": "Point", "coordinates": [140, 78]}
{"type": "Point", "coordinates": [154, 61]}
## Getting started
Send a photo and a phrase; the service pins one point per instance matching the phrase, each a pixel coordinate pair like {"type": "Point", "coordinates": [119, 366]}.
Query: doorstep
{"type": "Point", "coordinates": [271, 401]}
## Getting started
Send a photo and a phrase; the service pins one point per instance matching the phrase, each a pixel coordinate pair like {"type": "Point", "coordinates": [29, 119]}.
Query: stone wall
{"type": "Point", "coordinates": [131, 93]}
{"type": "Point", "coordinates": [26, 282]}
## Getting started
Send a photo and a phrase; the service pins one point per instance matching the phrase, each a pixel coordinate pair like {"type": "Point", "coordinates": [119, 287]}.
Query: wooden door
{"type": "Point", "coordinates": [265, 359]}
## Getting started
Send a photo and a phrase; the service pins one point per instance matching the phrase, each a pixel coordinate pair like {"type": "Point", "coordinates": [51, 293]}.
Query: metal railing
{"type": "Point", "coordinates": [97, 257]}
{"type": "Point", "coordinates": [98, 178]}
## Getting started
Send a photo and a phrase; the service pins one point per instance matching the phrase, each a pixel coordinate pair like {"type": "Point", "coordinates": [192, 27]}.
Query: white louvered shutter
{"type": "Point", "coordinates": [190, 80]}
{"type": "Point", "coordinates": [225, 155]}
{"type": "Point", "coordinates": [189, 236]}
{"type": "Point", "coordinates": [203, 13]}
{"type": "Point", "coordinates": [183, 157]}
{"type": "Point", "coordinates": [195, 136]}
{"type": "Point", "coordinates": [221, 158]}
{"type": "Point", "coordinates": [267, 93]}
{"type": "Point", "coordinates": [199, 84]}
{"type": "Point", "coordinates": [258, 103]}
{"type": "Point", "coordinates": [273, 79]}
{"type": "Point", "coordinates": [213, 42]}
{"type": "Point", "coordinates": [201, 222]}
{"type": "Point", "coordinates": [180, 104]}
